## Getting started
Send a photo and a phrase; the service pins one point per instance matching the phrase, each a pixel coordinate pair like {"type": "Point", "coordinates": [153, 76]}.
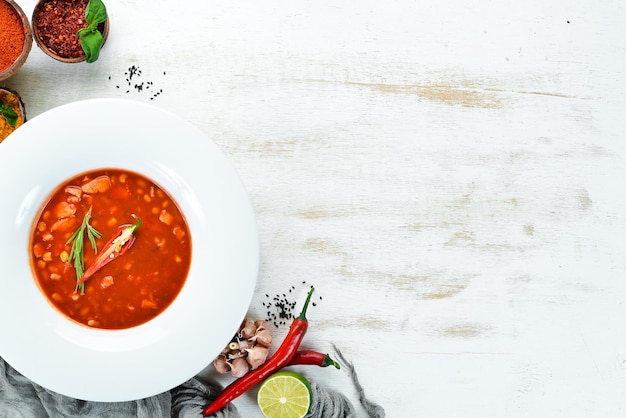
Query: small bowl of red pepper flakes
{"type": "Point", "coordinates": [15, 38]}
{"type": "Point", "coordinates": [56, 24]}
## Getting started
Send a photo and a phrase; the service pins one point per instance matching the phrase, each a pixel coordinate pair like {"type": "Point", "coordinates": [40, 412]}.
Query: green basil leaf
{"type": "Point", "coordinates": [9, 114]}
{"type": "Point", "coordinates": [92, 42]}
{"type": "Point", "coordinates": [95, 13]}
{"type": "Point", "coordinates": [83, 31]}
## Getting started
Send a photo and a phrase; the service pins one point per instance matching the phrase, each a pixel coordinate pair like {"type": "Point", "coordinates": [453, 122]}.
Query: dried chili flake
{"type": "Point", "coordinates": [58, 21]}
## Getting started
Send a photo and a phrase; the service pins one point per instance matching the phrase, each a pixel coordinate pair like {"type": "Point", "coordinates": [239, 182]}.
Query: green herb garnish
{"type": "Point", "coordinates": [77, 252]}
{"type": "Point", "coordinates": [91, 38]}
{"type": "Point", "coordinates": [9, 114]}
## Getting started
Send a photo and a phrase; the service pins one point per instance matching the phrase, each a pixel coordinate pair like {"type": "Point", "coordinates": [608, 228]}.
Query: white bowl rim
{"type": "Point", "coordinates": [106, 365]}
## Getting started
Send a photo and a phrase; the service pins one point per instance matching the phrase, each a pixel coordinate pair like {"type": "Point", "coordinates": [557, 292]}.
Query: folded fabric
{"type": "Point", "coordinates": [22, 398]}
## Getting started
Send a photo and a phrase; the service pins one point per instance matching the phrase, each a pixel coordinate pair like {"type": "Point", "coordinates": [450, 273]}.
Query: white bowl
{"type": "Point", "coordinates": [120, 365]}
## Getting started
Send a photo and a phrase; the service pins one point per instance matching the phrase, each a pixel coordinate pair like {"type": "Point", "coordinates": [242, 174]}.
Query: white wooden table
{"type": "Point", "coordinates": [449, 175]}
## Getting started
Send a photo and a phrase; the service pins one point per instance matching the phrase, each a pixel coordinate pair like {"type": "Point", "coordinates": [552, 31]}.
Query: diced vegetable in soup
{"type": "Point", "coordinates": [110, 249]}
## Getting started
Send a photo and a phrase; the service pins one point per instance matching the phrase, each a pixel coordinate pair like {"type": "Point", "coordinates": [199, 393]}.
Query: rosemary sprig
{"type": "Point", "coordinates": [77, 251]}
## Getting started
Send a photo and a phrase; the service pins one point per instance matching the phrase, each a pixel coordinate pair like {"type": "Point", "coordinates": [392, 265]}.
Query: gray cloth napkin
{"type": "Point", "coordinates": [21, 398]}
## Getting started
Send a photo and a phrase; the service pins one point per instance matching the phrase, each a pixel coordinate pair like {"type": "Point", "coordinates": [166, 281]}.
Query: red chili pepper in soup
{"type": "Point", "coordinates": [117, 245]}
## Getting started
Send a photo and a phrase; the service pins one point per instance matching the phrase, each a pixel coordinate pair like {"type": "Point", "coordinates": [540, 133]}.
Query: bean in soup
{"type": "Point", "coordinates": [141, 276]}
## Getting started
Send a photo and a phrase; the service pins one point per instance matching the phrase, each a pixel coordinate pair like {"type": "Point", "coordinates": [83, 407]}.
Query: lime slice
{"type": "Point", "coordinates": [284, 395]}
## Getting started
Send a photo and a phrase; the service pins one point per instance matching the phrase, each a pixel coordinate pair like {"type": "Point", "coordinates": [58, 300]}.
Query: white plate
{"type": "Point", "coordinates": [109, 365]}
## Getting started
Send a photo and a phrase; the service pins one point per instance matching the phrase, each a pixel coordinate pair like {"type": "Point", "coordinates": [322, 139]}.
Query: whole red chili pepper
{"type": "Point", "coordinates": [284, 354]}
{"type": "Point", "coordinates": [313, 358]}
{"type": "Point", "coordinates": [117, 245]}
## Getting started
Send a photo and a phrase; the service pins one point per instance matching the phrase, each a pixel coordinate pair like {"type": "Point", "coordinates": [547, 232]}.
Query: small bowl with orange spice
{"type": "Point", "coordinates": [70, 31]}
{"type": "Point", "coordinates": [12, 112]}
{"type": "Point", "coordinates": [15, 38]}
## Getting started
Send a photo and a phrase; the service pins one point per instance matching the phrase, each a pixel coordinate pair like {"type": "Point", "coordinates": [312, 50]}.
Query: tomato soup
{"type": "Point", "coordinates": [143, 275]}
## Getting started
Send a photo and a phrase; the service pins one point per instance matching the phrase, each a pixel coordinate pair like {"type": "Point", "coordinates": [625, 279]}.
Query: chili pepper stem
{"type": "Point", "coordinates": [138, 223]}
{"type": "Point", "coordinates": [302, 315]}
{"type": "Point", "coordinates": [328, 361]}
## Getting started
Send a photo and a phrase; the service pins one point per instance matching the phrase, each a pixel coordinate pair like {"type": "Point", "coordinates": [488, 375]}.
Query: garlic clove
{"type": "Point", "coordinates": [260, 324]}
{"type": "Point", "coordinates": [248, 329]}
{"type": "Point", "coordinates": [257, 356]}
{"type": "Point", "coordinates": [239, 367]}
{"type": "Point", "coordinates": [263, 338]}
{"type": "Point", "coordinates": [243, 345]}
{"type": "Point", "coordinates": [221, 365]}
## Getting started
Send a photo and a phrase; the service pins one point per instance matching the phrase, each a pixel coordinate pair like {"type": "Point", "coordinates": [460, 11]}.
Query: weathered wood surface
{"type": "Point", "coordinates": [449, 175]}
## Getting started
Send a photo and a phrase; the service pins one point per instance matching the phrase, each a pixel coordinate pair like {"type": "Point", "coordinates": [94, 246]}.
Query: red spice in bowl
{"type": "Point", "coordinates": [55, 24]}
{"type": "Point", "coordinates": [15, 38]}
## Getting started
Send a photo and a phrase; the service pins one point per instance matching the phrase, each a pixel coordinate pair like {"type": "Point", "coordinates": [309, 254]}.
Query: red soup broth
{"type": "Point", "coordinates": [134, 287]}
